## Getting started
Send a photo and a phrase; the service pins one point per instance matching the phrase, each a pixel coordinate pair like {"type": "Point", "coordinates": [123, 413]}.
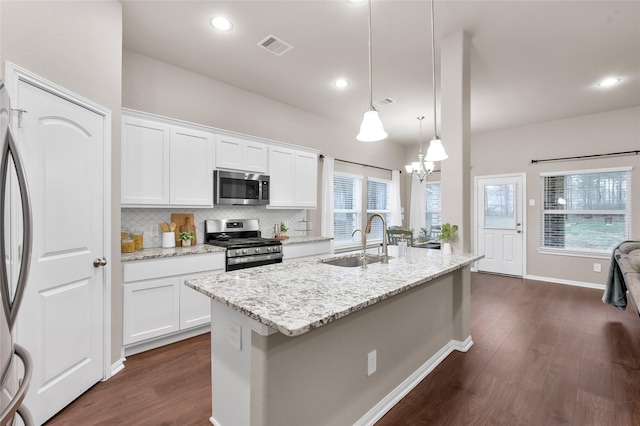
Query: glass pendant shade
{"type": "Point", "coordinates": [436, 151]}
{"type": "Point", "coordinates": [371, 129]}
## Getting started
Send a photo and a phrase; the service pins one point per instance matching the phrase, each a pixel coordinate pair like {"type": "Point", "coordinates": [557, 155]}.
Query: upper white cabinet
{"type": "Point", "coordinates": [191, 171]}
{"type": "Point", "coordinates": [145, 161]}
{"type": "Point", "coordinates": [165, 164]}
{"type": "Point", "coordinates": [293, 178]}
{"type": "Point", "coordinates": [240, 154]}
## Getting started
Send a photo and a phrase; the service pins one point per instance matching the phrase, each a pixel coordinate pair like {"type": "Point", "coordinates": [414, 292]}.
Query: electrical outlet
{"type": "Point", "coordinates": [532, 202]}
{"type": "Point", "coordinates": [597, 267]}
{"type": "Point", "coordinates": [153, 230]}
{"type": "Point", "coordinates": [235, 335]}
{"type": "Point", "coordinates": [372, 362]}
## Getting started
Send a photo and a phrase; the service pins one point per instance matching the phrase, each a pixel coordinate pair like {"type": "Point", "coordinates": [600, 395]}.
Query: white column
{"type": "Point", "coordinates": [455, 134]}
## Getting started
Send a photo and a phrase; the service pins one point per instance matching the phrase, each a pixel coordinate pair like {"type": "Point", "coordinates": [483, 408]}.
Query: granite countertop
{"type": "Point", "coordinates": [305, 239]}
{"type": "Point", "coordinates": [295, 298]}
{"type": "Point", "coordinates": [159, 252]}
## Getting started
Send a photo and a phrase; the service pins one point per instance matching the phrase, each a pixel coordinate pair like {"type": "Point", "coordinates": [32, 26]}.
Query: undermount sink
{"type": "Point", "coordinates": [353, 261]}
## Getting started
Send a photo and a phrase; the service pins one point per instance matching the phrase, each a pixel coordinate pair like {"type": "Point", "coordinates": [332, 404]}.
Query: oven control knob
{"type": "Point", "coordinates": [258, 250]}
{"type": "Point", "coordinates": [269, 248]}
{"type": "Point", "coordinates": [245, 251]}
{"type": "Point", "coordinates": [238, 252]}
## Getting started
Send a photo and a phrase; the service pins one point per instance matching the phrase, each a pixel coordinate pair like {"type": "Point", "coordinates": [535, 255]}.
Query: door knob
{"type": "Point", "coordinates": [99, 262]}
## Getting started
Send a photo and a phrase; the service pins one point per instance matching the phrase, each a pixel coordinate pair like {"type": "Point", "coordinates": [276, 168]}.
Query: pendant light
{"type": "Point", "coordinates": [436, 151]}
{"type": "Point", "coordinates": [371, 129]}
{"type": "Point", "coordinates": [420, 169]}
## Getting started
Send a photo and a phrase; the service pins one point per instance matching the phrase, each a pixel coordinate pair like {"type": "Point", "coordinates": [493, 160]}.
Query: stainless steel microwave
{"type": "Point", "coordinates": [238, 188]}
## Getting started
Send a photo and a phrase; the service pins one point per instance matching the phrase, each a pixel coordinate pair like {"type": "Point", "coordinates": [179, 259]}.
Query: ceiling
{"type": "Point", "coordinates": [531, 61]}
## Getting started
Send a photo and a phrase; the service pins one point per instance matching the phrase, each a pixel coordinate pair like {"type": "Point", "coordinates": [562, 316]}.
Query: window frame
{"type": "Point", "coordinates": [428, 211]}
{"type": "Point", "coordinates": [584, 252]}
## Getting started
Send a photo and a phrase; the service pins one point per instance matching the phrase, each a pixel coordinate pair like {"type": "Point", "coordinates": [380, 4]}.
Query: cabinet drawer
{"type": "Point", "coordinates": [166, 267]}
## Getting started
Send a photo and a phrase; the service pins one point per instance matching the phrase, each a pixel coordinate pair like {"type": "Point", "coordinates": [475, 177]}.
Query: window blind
{"type": "Point", "coordinates": [585, 211]}
{"type": "Point", "coordinates": [346, 208]}
{"type": "Point", "coordinates": [378, 201]}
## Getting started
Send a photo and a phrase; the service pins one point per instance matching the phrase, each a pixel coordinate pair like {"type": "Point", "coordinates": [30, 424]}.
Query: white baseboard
{"type": "Point", "coordinates": [166, 340]}
{"type": "Point", "coordinates": [566, 282]}
{"type": "Point", "coordinates": [381, 408]}
{"type": "Point", "coordinates": [116, 367]}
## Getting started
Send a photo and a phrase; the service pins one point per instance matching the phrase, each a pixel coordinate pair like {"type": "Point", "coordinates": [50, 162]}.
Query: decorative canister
{"type": "Point", "coordinates": [127, 245]}
{"type": "Point", "coordinates": [138, 239]}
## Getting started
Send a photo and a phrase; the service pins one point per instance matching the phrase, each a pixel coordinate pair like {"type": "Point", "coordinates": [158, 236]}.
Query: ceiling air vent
{"type": "Point", "coordinates": [384, 101]}
{"type": "Point", "coordinates": [275, 45]}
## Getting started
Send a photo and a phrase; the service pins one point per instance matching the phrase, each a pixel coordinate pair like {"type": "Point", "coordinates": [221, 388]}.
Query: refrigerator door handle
{"type": "Point", "coordinates": [11, 306]}
{"type": "Point", "coordinates": [14, 406]}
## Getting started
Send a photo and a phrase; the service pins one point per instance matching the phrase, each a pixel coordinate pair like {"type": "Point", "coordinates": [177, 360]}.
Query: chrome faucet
{"type": "Point", "coordinates": [363, 257]}
{"type": "Point", "coordinates": [367, 230]}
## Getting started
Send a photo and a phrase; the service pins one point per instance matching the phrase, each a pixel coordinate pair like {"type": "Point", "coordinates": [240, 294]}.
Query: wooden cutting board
{"type": "Point", "coordinates": [184, 222]}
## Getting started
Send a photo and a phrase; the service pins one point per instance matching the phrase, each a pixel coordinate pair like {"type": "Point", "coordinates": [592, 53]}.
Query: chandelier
{"type": "Point", "coordinates": [421, 168]}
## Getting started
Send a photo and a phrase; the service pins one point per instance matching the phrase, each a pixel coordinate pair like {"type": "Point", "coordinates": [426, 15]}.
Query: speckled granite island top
{"type": "Point", "coordinates": [305, 240]}
{"type": "Point", "coordinates": [295, 298]}
{"type": "Point", "coordinates": [158, 252]}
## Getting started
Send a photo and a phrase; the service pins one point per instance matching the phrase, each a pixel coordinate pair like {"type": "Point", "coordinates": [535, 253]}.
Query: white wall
{"type": "Point", "coordinates": [511, 151]}
{"type": "Point", "coordinates": [77, 45]}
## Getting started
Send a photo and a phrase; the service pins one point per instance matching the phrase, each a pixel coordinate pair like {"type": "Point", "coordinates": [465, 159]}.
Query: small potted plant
{"type": "Point", "coordinates": [186, 237]}
{"type": "Point", "coordinates": [283, 231]}
{"type": "Point", "coordinates": [448, 232]}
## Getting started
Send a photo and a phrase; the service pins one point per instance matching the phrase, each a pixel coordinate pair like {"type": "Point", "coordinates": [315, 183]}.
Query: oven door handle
{"type": "Point", "coordinates": [254, 258]}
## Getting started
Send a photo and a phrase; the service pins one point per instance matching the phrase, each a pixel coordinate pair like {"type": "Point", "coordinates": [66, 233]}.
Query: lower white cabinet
{"type": "Point", "coordinates": [306, 250]}
{"type": "Point", "coordinates": [157, 303]}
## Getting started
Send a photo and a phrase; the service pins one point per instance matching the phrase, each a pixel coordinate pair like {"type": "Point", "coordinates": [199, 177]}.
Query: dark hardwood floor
{"type": "Point", "coordinates": [543, 354]}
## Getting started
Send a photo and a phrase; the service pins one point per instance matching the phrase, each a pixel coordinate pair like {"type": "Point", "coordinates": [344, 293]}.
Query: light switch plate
{"type": "Point", "coordinates": [532, 202]}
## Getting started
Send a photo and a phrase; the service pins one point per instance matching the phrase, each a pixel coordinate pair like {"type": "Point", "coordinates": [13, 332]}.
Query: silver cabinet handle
{"type": "Point", "coordinates": [97, 262]}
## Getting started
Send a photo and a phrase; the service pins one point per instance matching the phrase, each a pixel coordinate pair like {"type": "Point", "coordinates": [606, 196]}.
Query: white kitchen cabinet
{"type": "Point", "coordinates": [151, 309]}
{"type": "Point", "coordinates": [195, 307]}
{"type": "Point", "coordinates": [191, 171]}
{"type": "Point", "coordinates": [157, 307]}
{"type": "Point", "coordinates": [165, 164]}
{"type": "Point", "coordinates": [306, 250]}
{"type": "Point", "coordinates": [293, 178]}
{"type": "Point", "coordinates": [145, 161]}
{"type": "Point", "coordinates": [240, 154]}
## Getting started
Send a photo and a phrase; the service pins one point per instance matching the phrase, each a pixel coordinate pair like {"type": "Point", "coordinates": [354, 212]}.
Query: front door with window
{"type": "Point", "coordinates": [499, 237]}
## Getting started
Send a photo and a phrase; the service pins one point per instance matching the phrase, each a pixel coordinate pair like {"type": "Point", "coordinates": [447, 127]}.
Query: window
{"type": "Point", "coordinates": [434, 207]}
{"type": "Point", "coordinates": [378, 201]}
{"type": "Point", "coordinates": [346, 208]}
{"type": "Point", "coordinates": [586, 211]}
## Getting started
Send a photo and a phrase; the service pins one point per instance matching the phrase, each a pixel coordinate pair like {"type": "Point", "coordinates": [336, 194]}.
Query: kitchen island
{"type": "Point", "coordinates": [297, 343]}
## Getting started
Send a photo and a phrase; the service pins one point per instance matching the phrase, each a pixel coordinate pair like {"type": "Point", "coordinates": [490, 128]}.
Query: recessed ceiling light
{"type": "Point", "coordinates": [221, 23]}
{"type": "Point", "coordinates": [341, 83]}
{"type": "Point", "coordinates": [608, 82]}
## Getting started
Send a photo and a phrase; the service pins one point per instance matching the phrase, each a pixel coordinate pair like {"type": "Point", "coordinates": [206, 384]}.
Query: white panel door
{"type": "Point", "coordinates": [61, 322]}
{"type": "Point", "coordinates": [191, 167]}
{"type": "Point", "coordinates": [145, 162]}
{"type": "Point", "coordinates": [306, 180]}
{"type": "Point", "coordinates": [499, 210]}
{"type": "Point", "coordinates": [281, 167]}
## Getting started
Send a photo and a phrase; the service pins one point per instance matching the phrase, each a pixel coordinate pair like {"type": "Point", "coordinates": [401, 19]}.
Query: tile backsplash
{"type": "Point", "coordinates": [147, 220]}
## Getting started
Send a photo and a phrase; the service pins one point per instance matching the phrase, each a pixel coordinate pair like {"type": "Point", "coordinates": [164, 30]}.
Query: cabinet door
{"type": "Point", "coordinates": [151, 309]}
{"type": "Point", "coordinates": [255, 157]}
{"type": "Point", "coordinates": [191, 167]}
{"type": "Point", "coordinates": [229, 153]}
{"type": "Point", "coordinates": [306, 180]}
{"type": "Point", "coordinates": [145, 162]}
{"type": "Point", "coordinates": [195, 307]}
{"type": "Point", "coordinates": [281, 167]}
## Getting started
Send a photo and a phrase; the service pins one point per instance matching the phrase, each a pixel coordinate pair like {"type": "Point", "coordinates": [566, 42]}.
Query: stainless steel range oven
{"type": "Point", "coordinates": [241, 238]}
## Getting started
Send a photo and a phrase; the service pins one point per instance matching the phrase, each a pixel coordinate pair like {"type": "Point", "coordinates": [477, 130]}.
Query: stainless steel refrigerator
{"type": "Point", "coordinates": [15, 252]}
